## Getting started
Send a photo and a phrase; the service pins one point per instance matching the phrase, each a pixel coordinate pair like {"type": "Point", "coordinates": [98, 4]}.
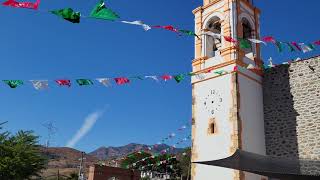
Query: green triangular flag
{"type": "Point", "coordinates": [220, 72]}
{"type": "Point", "coordinates": [179, 78]}
{"type": "Point", "coordinates": [191, 74]}
{"type": "Point", "coordinates": [137, 77]}
{"type": "Point", "coordinates": [101, 12]}
{"type": "Point", "coordinates": [311, 46]}
{"type": "Point", "coordinates": [291, 48]}
{"type": "Point", "coordinates": [68, 14]}
{"type": "Point", "coordinates": [187, 32]}
{"type": "Point", "coordinates": [279, 46]}
{"type": "Point", "coordinates": [244, 44]}
{"type": "Point", "coordinates": [84, 82]}
{"type": "Point", "coordinates": [13, 83]}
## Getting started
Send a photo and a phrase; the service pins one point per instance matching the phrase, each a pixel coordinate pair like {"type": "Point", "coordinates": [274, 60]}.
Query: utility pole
{"type": "Point", "coordinates": [81, 171]}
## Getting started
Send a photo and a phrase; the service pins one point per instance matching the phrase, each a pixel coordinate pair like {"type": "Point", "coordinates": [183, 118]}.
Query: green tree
{"type": "Point", "coordinates": [20, 156]}
{"type": "Point", "coordinates": [185, 163]}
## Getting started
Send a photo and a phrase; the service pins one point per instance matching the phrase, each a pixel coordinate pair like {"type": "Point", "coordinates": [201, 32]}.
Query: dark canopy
{"type": "Point", "coordinates": [265, 165]}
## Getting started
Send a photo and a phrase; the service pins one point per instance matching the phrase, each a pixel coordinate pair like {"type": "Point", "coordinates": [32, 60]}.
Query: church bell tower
{"type": "Point", "coordinates": [227, 102]}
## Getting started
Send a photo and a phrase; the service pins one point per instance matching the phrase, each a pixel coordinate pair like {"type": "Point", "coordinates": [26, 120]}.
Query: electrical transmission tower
{"type": "Point", "coordinates": [51, 131]}
{"type": "Point", "coordinates": [81, 167]}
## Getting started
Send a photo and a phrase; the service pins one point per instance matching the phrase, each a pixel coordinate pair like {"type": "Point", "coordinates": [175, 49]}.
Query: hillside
{"type": "Point", "coordinates": [66, 160]}
{"type": "Point", "coordinates": [106, 153]}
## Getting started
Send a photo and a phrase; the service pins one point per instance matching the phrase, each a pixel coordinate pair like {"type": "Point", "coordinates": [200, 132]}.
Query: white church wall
{"type": "Point", "coordinates": [208, 146]}
{"type": "Point", "coordinates": [251, 115]}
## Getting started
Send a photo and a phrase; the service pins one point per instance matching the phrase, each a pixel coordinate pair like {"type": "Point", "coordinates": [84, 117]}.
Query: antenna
{"type": "Point", "coordinates": [51, 131]}
{"type": "Point", "coordinates": [81, 167]}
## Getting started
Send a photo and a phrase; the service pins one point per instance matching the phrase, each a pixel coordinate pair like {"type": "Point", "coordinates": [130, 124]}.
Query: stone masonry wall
{"type": "Point", "coordinates": [292, 112]}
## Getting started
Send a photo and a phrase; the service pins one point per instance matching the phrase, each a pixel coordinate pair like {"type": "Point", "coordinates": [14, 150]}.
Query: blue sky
{"type": "Point", "coordinates": [37, 45]}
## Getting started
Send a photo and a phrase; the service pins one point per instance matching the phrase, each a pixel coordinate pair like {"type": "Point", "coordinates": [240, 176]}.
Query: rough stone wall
{"type": "Point", "coordinates": [292, 112]}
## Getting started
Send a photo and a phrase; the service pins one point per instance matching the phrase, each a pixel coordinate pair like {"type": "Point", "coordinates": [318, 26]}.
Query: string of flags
{"type": "Point", "coordinates": [281, 45]}
{"type": "Point", "coordinates": [102, 12]}
{"type": "Point", "coordinates": [163, 140]}
{"type": "Point", "coordinates": [108, 82]}
{"type": "Point", "coordinates": [164, 151]}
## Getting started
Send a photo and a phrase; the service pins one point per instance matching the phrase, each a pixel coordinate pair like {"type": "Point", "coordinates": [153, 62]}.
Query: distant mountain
{"type": "Point", "coordinates": [106, 153]}
{"type": "Point", "coordinates": [65, 160]}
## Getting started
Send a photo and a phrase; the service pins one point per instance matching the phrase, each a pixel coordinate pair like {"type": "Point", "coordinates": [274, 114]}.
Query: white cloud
{"type": "Point", "coordinates": [89, 122]}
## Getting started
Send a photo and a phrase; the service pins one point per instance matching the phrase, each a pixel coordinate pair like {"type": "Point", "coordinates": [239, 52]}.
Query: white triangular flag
{"type": "Point", "coordinates": [139, 23]}
{"type": "Point", "coordinates": [200, 76]}
{"type": "Point", "coordinates": [105, 81]}
{"type": "Point", "coordinates": [214, 35]}
{"type": "Point", "coordinates": [250, 66]}
{"type": "Point", "coordinates": [40, 84]}
{"type": "Point", "coordinates": [305, 48]}
{"type": "Point", "coordinates": [153, 77]}
{"type": "Point", "coordinates": [257, 41]}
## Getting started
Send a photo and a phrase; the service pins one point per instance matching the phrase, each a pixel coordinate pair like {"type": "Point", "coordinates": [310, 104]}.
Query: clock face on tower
{"type": "Point", "coordinates": [212, 102]}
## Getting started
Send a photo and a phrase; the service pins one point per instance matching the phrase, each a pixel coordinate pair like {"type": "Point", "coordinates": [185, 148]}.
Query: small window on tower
{"type": "Point", "coordinates": [247, 30]}
{"type": "Point", "coordinates": [212, 129]}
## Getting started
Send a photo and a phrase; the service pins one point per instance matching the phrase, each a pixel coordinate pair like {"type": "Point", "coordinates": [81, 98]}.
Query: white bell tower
{"type": "Point", "coordinates": [227, 107]}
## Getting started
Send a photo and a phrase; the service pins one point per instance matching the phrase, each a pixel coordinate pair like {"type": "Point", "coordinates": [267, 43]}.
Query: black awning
{"type": "Point", "coordinates": [265, 165]}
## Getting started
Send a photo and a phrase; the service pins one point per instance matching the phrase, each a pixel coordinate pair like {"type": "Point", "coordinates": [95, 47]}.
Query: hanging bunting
{"type": "Point", "coordinates": [244, 43]}
{"type": "Point", "coordinates": [169, 28]}
{"type": "Point", "coordinates": [68, 14]}
{"type": "Point", "coordinates": [101, 12]}
{"type": "Point", "coordinates": [296, 46]}
{"type": "Point", "coordinates": [84, 82]}
{"type": "Point", "coordinates": [220, 72]}
{"type": "Point", "coordinates": [291, 48]}
{"type": "Point", "coordinates": [279, 46]}
{"type": "Point", "coordinates": [212, 34]}
{"type": "Point", "coordinates": [257, 41]}
{"type": "Point", "coordinates": [121, 80]}
{"type": "Point", "coordinates": [166, 77]}
{"type": "Point", "coordinates": [311, 46]}
{"type": "Point", "coordinates": [250, 66]}
{"type": "Point", "coordinates": [137, 77]}
{"type": "Point", "coordinates": [190, 33]}
{"type": "Point", "coordinates": [305, 48]}
{"type": "Point", "coordinates": [28, 5]}
{"type": "Point", "coordinates": [63, 82]}
{"type": "Point", "coordinates": [268, 39]}
{"type": "Point", "coordinates": [179, 78]}
{"type": "Point", "coordinates": [230, 39]}
{"type": "Point", "coordinates": [153, 77]}
{"type": "Point", "coordinates": [104, 81]}
{"type": "Point", "coordinates": [13, 83]}
{"type": "Point", "coordinates": [317, 43]}
{"type": "Point", "coordinates": [139, 23]}
{"type": "Point", "coordinates": [40, 84]}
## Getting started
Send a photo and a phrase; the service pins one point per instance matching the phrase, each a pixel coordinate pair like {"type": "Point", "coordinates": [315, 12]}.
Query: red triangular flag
{"type": "Point", "coordinates": [317, 43]}
{"type": "Point", "coordinates": [269, 39]}
{"type": "Point", "coordinates": [64, 82]}
{"type": "Point", "coordinates": [296, 45]}
{"type": "Point", "coordinates": [16, 4]}
{"type": "Point", "coordinates": [121, 80]}
{"type": "Point", "coordinates": [230, 39]}
{"type": "Point", "coordinates": [166, 77]}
